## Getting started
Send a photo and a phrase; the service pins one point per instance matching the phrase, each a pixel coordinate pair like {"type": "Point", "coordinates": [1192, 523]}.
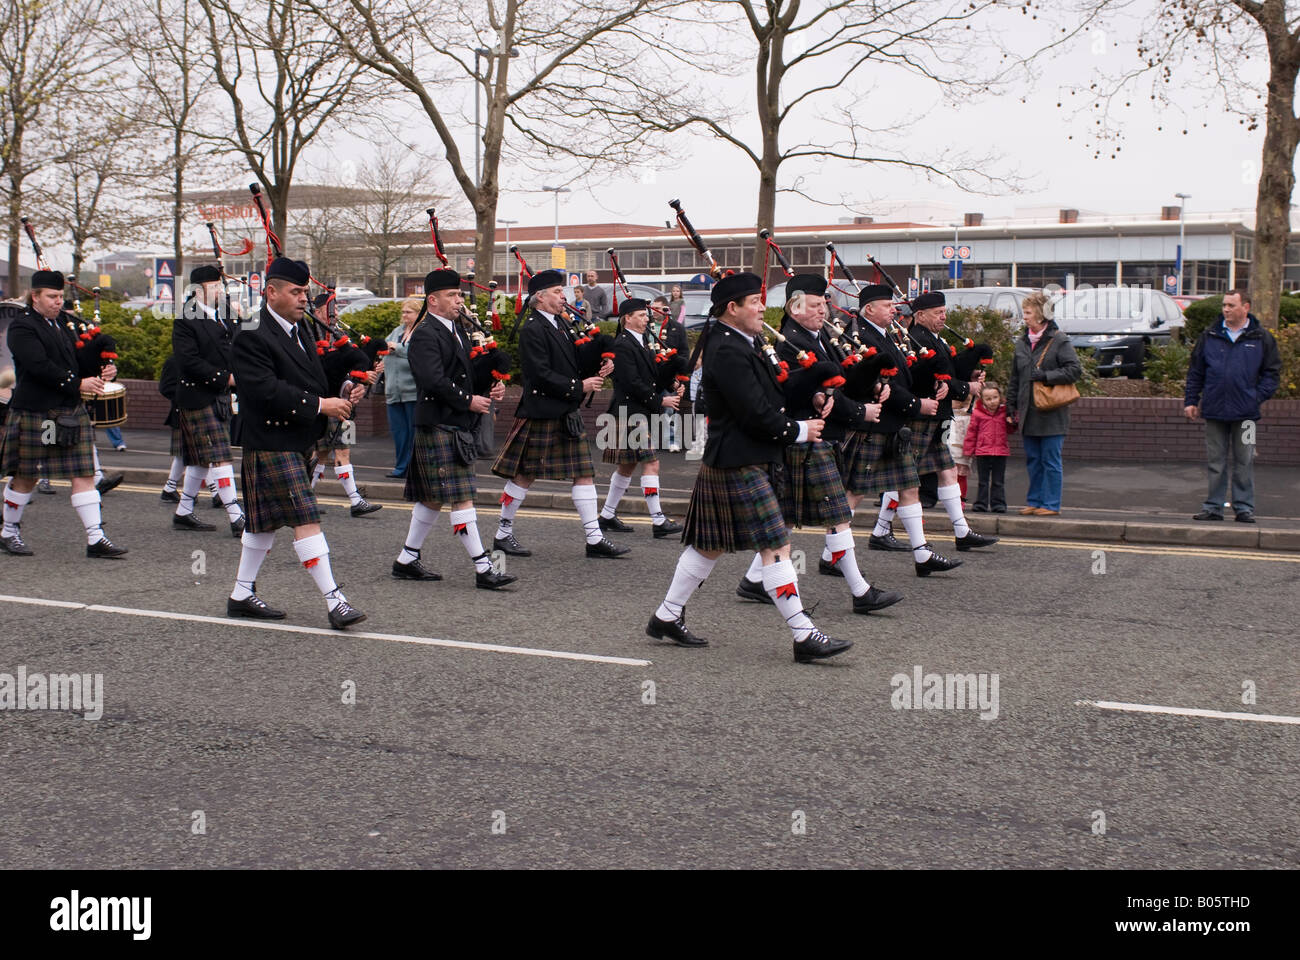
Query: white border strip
{"type": "Point", "coordinates": [318, 631]}
{"type": "Point", "coordinates": [1187, 711]}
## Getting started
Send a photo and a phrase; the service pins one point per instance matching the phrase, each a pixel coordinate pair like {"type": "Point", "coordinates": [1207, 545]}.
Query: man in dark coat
{"type": "Point", "coordinates": [1235, 367]}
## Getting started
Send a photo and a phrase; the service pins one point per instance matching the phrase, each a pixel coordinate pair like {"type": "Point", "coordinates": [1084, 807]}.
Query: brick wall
{"type": "Point", "coordinates": [146, 409]}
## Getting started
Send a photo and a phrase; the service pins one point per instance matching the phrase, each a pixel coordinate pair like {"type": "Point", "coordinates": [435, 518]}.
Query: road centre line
{"type": "Point", "coordinates": [1187, 712]}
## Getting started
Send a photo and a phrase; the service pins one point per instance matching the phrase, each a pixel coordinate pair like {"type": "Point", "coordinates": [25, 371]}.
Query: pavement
{"type": "Point", "coordinates": [541, 726]}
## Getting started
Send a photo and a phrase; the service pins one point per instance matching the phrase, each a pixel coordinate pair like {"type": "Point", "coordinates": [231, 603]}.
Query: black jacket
{"type": "Point", "coordinates": [674, 335]}
{"type": "Point", "coordinates": [549, 361]}
{"type": "Point", "coordinates": [280, 386]}
{"type": "Point", "coordinates": [202, 346]}
{"type": "Point", "coordinates": [943, 365]}
{"type": "Point", "coordinates": [901, 405]}
{"type": "Point", "coordinates": [634, 377]}
{"type": "Point", "coordinates": [846, 414]}
{"type": "Point", "coordinates": [439, 362]}
{"type": "Point", "coordinates": [45, 362]}
{"type": "Point", "coordinates": [747, 420]}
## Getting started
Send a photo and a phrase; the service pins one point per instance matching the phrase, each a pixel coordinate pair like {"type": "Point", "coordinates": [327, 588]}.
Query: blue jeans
{"type": "Point", "coordinates": [1043, 460]}
{"type": "Point", "coordinates": [1225, 444]}
{"type": "Point", "coordinates": [401, 424]}
{"type": "Point", "coordinates": [114, 436]}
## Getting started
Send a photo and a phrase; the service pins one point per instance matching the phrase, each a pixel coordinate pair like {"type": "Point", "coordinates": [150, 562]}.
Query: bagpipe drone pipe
{"type": "Point", "coordinates": [863, 379]}
{"type": "Point", "coordinates": [803, 382]}
{"type": "Point", "coordinates": [970, 361]}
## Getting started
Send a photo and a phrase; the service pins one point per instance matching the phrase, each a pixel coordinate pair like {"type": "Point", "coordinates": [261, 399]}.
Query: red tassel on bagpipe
{"type": "Point", "coordinates": [108, 355]}
{"type": "Point", "coordinates": [807, 360]}
{"type": "Point", "coordinates": [952, 351]}
{"type": "Point", "coordinates": [498, 375]}
{"type": "Point", "coordinates": [833, 382]}
{"type": "Point", "coordinates": [782, 372]}
{"type": "Point", "coordinates": [362, 375]}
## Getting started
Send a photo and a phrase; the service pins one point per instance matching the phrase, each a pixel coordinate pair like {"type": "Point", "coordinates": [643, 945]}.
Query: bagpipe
{"type": "Point", "coordinates": [899, 333]}
{"type": "Point", "coordinates": [670, 365]}
{"type": "Point", "coordinates": [488, 362]}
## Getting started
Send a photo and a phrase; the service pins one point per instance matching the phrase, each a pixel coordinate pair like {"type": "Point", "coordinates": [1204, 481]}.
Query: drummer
{"type": "Point", "coordinates": [96, 351]}
{"type": "Point", "coordinates": [47, 406]}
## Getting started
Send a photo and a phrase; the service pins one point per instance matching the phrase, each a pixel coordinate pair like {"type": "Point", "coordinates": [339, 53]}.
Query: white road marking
{"type": "Point", "coordinates": [1187, 711]}
{"type": "Point", "coordinates": [319, 631]}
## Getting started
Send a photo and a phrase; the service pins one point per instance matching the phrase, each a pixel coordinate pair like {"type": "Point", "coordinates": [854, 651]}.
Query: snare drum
{"type": "Point", "coordinates": [109, 408]}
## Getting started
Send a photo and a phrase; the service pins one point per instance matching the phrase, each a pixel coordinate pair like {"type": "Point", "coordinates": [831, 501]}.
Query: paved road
{"type": "Point", "coordinates": [247, 725]}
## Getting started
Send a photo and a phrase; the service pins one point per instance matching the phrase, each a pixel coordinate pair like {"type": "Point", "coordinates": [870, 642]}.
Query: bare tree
{"type": "Point", "coordinates": [324, 229]}
{"type": "Point", "coordinates": [1218, 48]}
{"type": "Point", "coordinates": [47, 52]}
{"type": "Point", "coordinates": [563, 87]}
{"type": "Point", "coordinates": [386, 224]}
{"type": "Point", "coordinates": [286, 77]}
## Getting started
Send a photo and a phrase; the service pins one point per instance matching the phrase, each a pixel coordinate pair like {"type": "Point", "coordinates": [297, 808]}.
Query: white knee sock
{"type": "Point", "coordinates": [422, 520]}
{"type": "Point", "coordinates": [87, 506]}
{"type": "Point", "coordinates": [190, 488]}
{"type": "Point", "coordinates": [584, 498]}
{"type": "Point", "coordinates": [888, 505]}
{"type": "Point", "coordinates": [174, 474]}
{"type": "Point", "coordinates": [911, 517]}
{"type": "Point", "coordinates": [843, 556]}
{"type": "Point", "coordinates": [950, 497]}
{"type": "Point", "coordinates": [224, 477]}
{"type": "Point", "coordinates": [314, 553]}
{"type": "Point", "coordinates": [511, 500]}
{"type": "Point", "coordinates": [15, 503]}
{"type": "Point", "coordinates": [755, 572]}
{"type": "Point", "coordinates": [618, 485]}
{"type": "Point", "coordinates": [344, 474]}
{"type": "Point", "coordinates": [253, 550]}
{"type": "Point", "coordinates": [464, 524]}
{"type": "Point", "coordinates": [782, 585]}
{"type": "Point", "coordinates": [317, 472]}
{"type": "Point", "coordinates": [693, 568]}
{"type": "Point", "coordinates": [826, 551]}
{"type": "Point", "coordinates": [650, 488]}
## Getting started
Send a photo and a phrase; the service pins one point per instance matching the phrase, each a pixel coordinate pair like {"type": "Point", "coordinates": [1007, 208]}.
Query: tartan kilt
{"type": "Point", "coordinates": [435, 474]}
{"type": "Point", "coordinates": [277, 490]}
{"type": "Point", "coordinates": [813, 492]}
{"type": "Point", "coordinates": [176, 442]}
{"type": "Point", "coordinates": [323, 445]}
{"type": "Point", "coordinates": [22, 454]}
{"type": "Point", "coordinates": [734, 509]}
{"type": "Point", "coordinates": [620, 455]}
{"type": "Point", "coordinates": [543, 450]}
{"type": "Point", "coordinates": [203, 438]}
{"type": "Point", "coordinates": [867, 473]}
{"type": "Point", "coordinates": [931, 453]}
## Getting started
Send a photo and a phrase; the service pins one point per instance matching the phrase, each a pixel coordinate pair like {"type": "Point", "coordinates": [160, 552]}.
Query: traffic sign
{"type": "Point", "coordinates": [963, 252]}
{"type": "Point", "coordinates": [1171, 284]}
{"type": "Point", "coordinates": [164, 269]}
{"type": "Point", "coordinates": [925, 285]}
{"type": "Point", "coordinates": [574, 280]}
{"type": "Point", "coordinates": [954, 269]}
{"type": "Point", "coordinates": [913, 287]}
{"type": "Point", "coordinates": [949, 252]}
{"type": "Point", "coordinates": [254, 283]}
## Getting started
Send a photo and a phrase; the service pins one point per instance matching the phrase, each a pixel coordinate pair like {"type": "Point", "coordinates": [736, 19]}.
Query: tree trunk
{"type": "Point", "coordinates": [768, 73]}
{"type": "Point", "coordinates": [178, 249]}
{"type": "Point", "coordinates": [15, 206]}
{"type": "Point", "coordinates": [766, 198]}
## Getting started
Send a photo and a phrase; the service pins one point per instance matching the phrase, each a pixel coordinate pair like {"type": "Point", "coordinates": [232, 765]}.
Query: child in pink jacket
{"type": "Point", "coordinates": [986, 442]}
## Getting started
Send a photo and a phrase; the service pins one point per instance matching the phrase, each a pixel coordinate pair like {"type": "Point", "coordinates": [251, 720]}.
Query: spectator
{"type": "Point", "coordinates": [115, 438]}
{"type": "Point", "coordinates": [580, 303]}
{"type": "Point", "coordinates": [1043, 354]}
{"type": "Point", "coordinates": [1235, 367]}
{"type": "Point", "coordinates": [399, 388]}
{"type": "Point", "coordinates": [961, 413]}
{"type": "Point", "coordinates": [986, 444]}
{"type": "Point", "coordinates": [676, 303]}
{"type": "Point", "coordinates": [674, 336]}
{"type": "Point", "coordinates": [596, 296]}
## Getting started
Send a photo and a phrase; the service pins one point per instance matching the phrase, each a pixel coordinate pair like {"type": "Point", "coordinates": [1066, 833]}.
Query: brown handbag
{"type": "Point", "coordinates": [1054, 396]}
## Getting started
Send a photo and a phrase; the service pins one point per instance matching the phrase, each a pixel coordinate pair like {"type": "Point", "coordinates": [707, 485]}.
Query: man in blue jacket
{"type": "Point", "coordinates": [1235, 367]}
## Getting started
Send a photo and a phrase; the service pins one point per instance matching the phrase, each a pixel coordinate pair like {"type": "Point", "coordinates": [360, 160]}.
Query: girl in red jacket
{"type": "Point", "coordinates": [986, 441]}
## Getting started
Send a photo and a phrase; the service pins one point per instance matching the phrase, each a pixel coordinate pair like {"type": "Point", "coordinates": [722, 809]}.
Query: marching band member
{"type": "Point", "coordinates": [636, 395]}
{"type": "Point", "coordinates": [283, 410]}
{"type": "Point", "coordinates": [813, 492]}
{"type": "Point", "coordinates": [733, 506]}
{"type": "Point", "coordinates": [446, 413]}
{"type": "Point", "coordinates": [202, 343]}
{"type": "Point", "coordinates": [548, 440]}
{"type": "Point", "coordinates": [48, 428]}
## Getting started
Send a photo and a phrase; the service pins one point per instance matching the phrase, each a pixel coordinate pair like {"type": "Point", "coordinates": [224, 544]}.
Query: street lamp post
{"type": "Point", "coordinates": [1182, 247]}
{"type": "Point", "coordinates": [956, 280]}
{"type": "Point", "coordinates": [478, 139]}
{"type": "Point", "coordinates": [493, 270]}
{"type": "Point", "coordinates": [557, 191]}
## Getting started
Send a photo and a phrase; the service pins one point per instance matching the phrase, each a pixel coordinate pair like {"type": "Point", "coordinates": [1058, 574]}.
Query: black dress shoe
{"type": "Point", "coordinates": [887, 542]}
{"type": "Point", "coordinates": [606, 549]}
{"type": "Point", "coordinates": [875, 599]}
{"type": "Point", "coordinates": [818, 646]}
{"type": "Point", "coordinates": [980, 508]}
{"type": "Point", "coordinates": [216, 503]}
{"type": "Point", "coordinates": [491, 580]}
{"type": "Point", "coordinates": [105, 550]}
{"type": "Point", "coordinates": [344, 615]}
{"type": "Point", "coordinates": [828, 569]}
{"type": "Point", "coordinates": [252, 607]}
{"type": "Point", "coordinates": [364, 507]}
{"type": "Point", "coordinates": [666, 529]}
{"type": "Point", "coordinates": [674, 630]}
{"type": "Point", "coordinates": [614, 524]}
{"type": "Point", "coordinates": [935, 562]}
{"type": "Point", "coordinates": [414, 571]}
{"type": "Point", "coordinates": [108, 483]}
{"type": "Point", "coordinates": [973, 539]}
{"type": "Point", "coordinates": [170, 496]}
{"type": "Point", "coordinates": [189, 522]}
{"type": "Point", "coordinates": [510, 546]}
{"type": "Point", "coordinates": [43, 486]}
{"type": "Point", "coordinates": [237, 528]}
{"type": "Point", "coordinates": [394, 475]}
{"type": "Point", "coordinates": [14, 545]}
{"type": "Point", "coordinates": [1246, 516]}
{"type": "Point", "coordinates": [1208, 515]}
{"type": "Point", "coordinates": [748, 590]}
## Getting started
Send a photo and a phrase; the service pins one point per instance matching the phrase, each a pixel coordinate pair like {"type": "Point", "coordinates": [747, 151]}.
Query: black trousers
{"type": "Point", "coordinates": [990, 491]}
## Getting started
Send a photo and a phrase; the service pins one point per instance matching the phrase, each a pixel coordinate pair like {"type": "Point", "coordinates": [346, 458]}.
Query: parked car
{"type": "Point", "coordinates": [353, 293]}
{"type": "Point", "coordinates": [1005, 300]}
{"type": "Point", "coordinates": [1119, 324]}
{"type": "Point", "coordinates": [360, 303]}
{"type": "Point", "coordinates": [640, 290]}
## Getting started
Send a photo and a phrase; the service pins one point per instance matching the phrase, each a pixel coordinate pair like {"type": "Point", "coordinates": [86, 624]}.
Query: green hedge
{"type": "Point", "coordinates": [1201, 313]}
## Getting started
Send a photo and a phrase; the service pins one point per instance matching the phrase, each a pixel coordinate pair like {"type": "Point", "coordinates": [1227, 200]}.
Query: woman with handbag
{"type": "Point", "coordinates": [1044, 371]}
